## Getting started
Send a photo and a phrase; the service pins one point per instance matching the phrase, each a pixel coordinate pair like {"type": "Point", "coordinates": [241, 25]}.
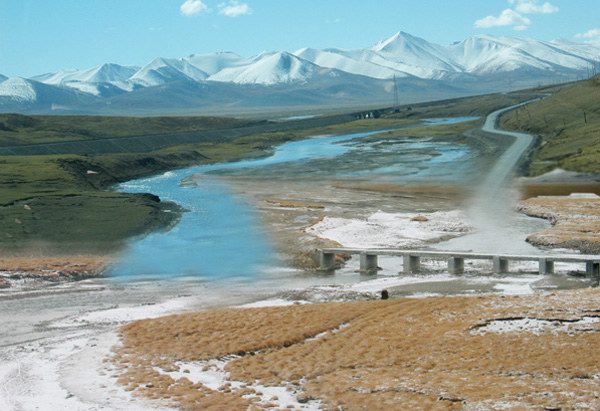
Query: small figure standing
{"type": "Point", "coordinates": [385, 295]}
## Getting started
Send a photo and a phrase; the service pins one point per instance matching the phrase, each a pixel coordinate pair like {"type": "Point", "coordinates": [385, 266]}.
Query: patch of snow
{"type": "Point", "coordinates": [212, 374]}
{"type": "Point", "coordinates": [517, 285]}
{"type": "Point", "coordinates": [19, 89]}
{"type": "Point", "coordinates": [534, 325]}
{"type": "Point", "coordinates": [378, 284]}
{"type": "Point", "coordinates": [276, 302]}
{"type": "Point", "coordinates": [67, 373]}
{"type": "Point", "coordinates": [119, 315]}
{"type": "Point", "coordinates": [382, 230]}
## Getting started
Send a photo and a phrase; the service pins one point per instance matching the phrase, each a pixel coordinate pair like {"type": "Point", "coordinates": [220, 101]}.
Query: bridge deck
{"type": "Point", "coordinates": [412, 259]}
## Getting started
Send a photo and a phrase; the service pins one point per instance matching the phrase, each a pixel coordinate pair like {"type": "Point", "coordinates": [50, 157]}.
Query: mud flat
{"type": "Point", "coordinates": [485, 352]}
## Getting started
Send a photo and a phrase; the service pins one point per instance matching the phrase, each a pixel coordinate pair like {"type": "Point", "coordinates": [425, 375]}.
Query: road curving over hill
{"type": "Point", "coordinates": [507, 162]}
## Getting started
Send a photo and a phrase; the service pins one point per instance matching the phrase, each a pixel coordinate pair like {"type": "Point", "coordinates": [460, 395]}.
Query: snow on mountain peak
{"type": "Point", "coordinates": [19, 89]}
{"type": "Point", "coordinates": [400, 40]}
{"type": "Point", "coordinates": [417, 56]}
{"type": "Point", "coordinates": [269, 69]}
{"type": "Point", "coordinates": [162, 70]}
{"type": "Point", "coordinates": [215, 62]}
{"type": "Point", "coordinates": [2, 78]}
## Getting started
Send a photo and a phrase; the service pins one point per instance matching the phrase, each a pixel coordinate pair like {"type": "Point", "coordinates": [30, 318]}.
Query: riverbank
{"type": "Point", "coordinates": [444, 353]}
{"type": "Point", "coordinates": [575, 221]}
{"type": "Point", "coordinates": [20, 270]}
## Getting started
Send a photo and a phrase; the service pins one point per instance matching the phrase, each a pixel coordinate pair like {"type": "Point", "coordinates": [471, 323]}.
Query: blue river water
{"type": "Point", "coordinates": [220, 235]}
{"type": "Point", "coordinates": [448, 120]}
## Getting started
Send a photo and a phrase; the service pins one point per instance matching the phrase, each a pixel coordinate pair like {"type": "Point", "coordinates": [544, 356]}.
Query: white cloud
{"type": "Point", "coordinates": [508, 17]}
{"type": "Point", "coordinates": [515, 16]}
{"type": "Point", "coordinates": [192, 7]}
{"type": "Point", "coordinates": [592, 36]}
{"type": "Point", "coordinates": [234, 8]}
{"type": "Point", "coordinates": [532, 7]}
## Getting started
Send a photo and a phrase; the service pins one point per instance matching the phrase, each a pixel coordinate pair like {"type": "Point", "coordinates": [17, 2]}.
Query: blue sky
{"type": "Point", "coordinates": [41, 36]}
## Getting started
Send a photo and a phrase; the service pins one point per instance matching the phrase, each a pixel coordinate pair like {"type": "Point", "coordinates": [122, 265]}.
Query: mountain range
{"type": "Point", "coordinates": [305, 78]}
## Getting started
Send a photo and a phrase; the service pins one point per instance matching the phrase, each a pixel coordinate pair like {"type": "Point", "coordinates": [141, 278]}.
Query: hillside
{"type": "Point", "coordinates": [568, 124]}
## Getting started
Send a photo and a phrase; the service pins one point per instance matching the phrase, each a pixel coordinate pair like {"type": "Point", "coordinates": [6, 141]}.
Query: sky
{"type": "Point", "coordinates": [38, 36]}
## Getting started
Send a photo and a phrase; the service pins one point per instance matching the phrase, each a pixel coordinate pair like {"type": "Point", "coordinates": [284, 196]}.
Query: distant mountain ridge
{"type": "Point", "coordinates": [312, 76]}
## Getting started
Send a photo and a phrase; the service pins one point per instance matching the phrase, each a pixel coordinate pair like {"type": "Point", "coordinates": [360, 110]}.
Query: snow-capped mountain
{"type": "Point", "coordinates": [31, 94]}
{"type": "Point", "coordinates": [486, 54]}
{"type": "Point", "coordinates": [215, 62]}
{"type": "Point", "coordinates": [473, 65]}
{"type": "Point", "coordinates": [416, 55]}
{"type": "Point", "coordinates": [105, 73]}
{"type": "Point", "coordinates": [103, 80]}
{"type": "Point", "coordinates": [269, 69]}
{"type": "Point", "coordinates": [360, 63]}
{"type": "Point", "coordinates": [161, 70]}
{"type": "Point", "coordinates": [2, 78]}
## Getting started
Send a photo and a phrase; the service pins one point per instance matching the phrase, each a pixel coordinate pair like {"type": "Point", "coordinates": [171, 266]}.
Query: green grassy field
{"type": "Point", "coordinates": [568, 124]}
{"type": "Point", "coordinates": [18, 129]}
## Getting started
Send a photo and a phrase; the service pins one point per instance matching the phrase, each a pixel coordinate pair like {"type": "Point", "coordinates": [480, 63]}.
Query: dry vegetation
{"type": "Point", "coordinates": [52, 268]}
{"type": "Point", "coordinates": [575, 222]}
{"type": "Point", "coordinates": [403, 354]}
{"type": "Point", "coordinates": [294, 204]}
{"type": "Point", "coordinates": [420, 190]}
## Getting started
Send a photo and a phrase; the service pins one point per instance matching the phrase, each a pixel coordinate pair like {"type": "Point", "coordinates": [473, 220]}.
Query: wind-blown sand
{"type": "Point", "coordinates": [486, 352]}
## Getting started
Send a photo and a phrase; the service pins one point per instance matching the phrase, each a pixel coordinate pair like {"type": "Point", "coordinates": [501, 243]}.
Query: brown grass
{"type": "Point", "coordinates": [575, 222]}
{"type": "Point", "coordinates": [294, 204]}
{"type": "Point", "coordinates": [530, 190]}
{"type": "Point", "coordinates": [409, 190]}
{"type": "Point", "coordinates": [403, 354]}
{"type": "Point", "coordinates": [69, 266]}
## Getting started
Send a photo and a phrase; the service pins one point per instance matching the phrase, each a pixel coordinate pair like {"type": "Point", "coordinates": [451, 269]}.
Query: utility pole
{"type": "Point", "coordinates": [396, 97]}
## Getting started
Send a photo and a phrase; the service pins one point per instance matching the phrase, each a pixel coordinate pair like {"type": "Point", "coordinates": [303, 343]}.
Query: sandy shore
{"type": "Point", "coordinates": [485, 352]}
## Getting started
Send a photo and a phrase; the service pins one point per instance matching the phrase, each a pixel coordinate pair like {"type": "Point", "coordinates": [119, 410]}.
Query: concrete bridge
{"type": "Point", "coordinates": [456, 260]}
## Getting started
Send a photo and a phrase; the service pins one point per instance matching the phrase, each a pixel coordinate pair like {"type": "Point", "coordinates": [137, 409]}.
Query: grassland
{"type": "Point", "coordinates": [18, 129]}
{"type": "Point", "coordinates": [568, 124]}
{"type": "Point", "coordinates": [432, 353]}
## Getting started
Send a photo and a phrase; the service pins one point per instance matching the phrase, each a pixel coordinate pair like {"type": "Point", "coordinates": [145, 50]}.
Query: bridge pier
{"type": "Point", "coordinates": [592, 269]}
{"type": "Point", "coordinates": [368, 263]}
{"type": "Point", "coordinates": [546, 267]}
{"type": "Point", "coordinates": [326, 261]}
{"type": "Point", "coordinates": [500, 265]}
{"type": "Point", "coordinates": [456, 265]}
{"type": "Point", "coordinates": [411, 263]}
